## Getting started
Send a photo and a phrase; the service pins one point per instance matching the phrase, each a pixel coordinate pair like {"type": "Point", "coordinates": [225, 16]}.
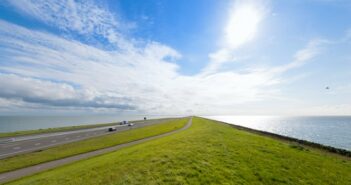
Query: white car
{"type": "Point", "coordinates": [130, 124]}
{"type": "Point", "coordinates": [123, 122]}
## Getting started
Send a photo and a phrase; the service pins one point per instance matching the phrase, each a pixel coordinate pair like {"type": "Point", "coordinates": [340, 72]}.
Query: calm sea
{"type": "Point", "coordinates": [328, 130]}
{"type": "Point", "coordinates": [16, 123]}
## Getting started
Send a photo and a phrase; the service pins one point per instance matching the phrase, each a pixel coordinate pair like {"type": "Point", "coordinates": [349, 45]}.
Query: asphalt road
{"type": "Point", "coordinates": [12, 175]}
{"type": "Point", "coordinates": [24, 144]}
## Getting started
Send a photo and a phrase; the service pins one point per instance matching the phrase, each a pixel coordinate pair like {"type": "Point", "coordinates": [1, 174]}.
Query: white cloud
{"type": "Point", "coordinates": [46, 69]}
{"type": "Point", "coordinates": [42, 70]}
{"type": "Point", "coordinates": [46, 57]}
{"type": "Point", "coordinates": [217, 59]}
{"type": "Point", "coordinates": [85, 18]}
{"type": "Point", "coordinates": [141, 78]}
{"type": "Point", "coordinates": [312, 49]}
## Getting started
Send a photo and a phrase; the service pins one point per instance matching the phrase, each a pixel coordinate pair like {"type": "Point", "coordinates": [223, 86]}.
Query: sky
{"type": "Point", "coordinates": [180, 57]}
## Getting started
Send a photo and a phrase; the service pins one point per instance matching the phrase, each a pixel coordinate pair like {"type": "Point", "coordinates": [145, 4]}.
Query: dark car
{"type": "Point", "coordinates": [111, 129]}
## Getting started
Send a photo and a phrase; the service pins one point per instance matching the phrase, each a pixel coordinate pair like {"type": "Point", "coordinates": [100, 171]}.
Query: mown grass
{"type": "Point", "coordinates": [57, 129]}
{"type": "Point", "coordinates": [61, 151]}
{"type": "Point", "coordinates": [206, 153]}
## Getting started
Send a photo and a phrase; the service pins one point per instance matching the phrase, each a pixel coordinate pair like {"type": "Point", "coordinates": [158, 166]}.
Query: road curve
{"type": "Point", "coordinates": [12, 175]}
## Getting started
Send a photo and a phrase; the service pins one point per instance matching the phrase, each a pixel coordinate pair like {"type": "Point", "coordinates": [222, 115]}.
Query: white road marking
{"type": "Point", "coordinates": [36, 144]}
{"type": "Point", "coordinates": [10, 145]}
{"type": "Point", "coordinates": [23, 138]}
{"type": "Point", "coordinates": [30, 149]}
{"type": "Point", "coordinates": [16, 148]}
{"type": "Point", "coordinates": [44, 146]}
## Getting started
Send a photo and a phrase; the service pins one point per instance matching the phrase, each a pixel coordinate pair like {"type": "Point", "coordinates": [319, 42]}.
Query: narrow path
{"type": "Point", "coordinates": [12, 175]}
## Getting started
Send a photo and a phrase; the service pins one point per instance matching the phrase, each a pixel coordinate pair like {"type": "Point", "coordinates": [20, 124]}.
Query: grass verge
{"type": "Point", "coordinates": [57, 129]}
{"type": "Point", "coordinates": [70, 149]}
{"type": "Point", "coordinates": [206, 153]}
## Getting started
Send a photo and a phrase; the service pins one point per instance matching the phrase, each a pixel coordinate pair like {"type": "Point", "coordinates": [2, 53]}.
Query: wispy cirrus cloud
{"type": "Point", "coordinates": [83, 17]}
{"type": "Point", "coordinates": [304, 55]}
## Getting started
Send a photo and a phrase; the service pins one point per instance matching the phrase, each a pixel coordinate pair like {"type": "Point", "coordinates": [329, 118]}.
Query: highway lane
{"type": "Point", "coordinates": [31, 170]}
{"type": "Point", "coordinates": [25, 144]}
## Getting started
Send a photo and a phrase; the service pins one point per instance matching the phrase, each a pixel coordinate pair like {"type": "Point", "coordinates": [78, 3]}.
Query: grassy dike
{"type": "Point", "coordinates": [207, 153]}
{"type": "Point", "coordinates": [70, 149]}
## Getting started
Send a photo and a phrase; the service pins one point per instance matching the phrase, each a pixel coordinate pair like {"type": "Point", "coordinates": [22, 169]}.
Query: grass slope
{"type": "Point", "coordinates": [61, 151]}
{"type": "Point", "coordinates": [206, 153]}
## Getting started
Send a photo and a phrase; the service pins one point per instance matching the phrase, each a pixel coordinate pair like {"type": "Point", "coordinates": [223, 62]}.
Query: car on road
{"type": "Point", "coordinates": [130, 124]}
{"type": "Point", "coordinates": [123, 122]}
{"type": "Point", "coordinates": [111, 129]}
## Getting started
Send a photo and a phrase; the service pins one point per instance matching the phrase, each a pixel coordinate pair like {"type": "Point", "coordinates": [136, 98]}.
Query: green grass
{"type": "Point", "coordinates": [206, 153]}
{"type": "Point", "coordinates": [61, 151]}
{"type": "Point", "coordinates": [57, 129]}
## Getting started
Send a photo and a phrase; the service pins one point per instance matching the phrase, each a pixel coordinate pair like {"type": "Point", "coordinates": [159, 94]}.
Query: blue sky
{"type": "Point", "coordinates": [179, 57]}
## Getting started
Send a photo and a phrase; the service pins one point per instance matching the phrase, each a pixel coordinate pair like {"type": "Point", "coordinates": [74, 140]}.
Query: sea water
{"type": "Point", "coordinates": [327, 130]}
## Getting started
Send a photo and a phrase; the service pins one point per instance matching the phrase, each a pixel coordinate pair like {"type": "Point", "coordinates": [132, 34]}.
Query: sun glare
{"type": "Point", "coordinates": [242, 25]}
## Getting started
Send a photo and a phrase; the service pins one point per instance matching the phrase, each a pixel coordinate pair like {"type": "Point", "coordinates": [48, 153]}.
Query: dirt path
{"type": "Point", "coordinates": [12, 175]}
